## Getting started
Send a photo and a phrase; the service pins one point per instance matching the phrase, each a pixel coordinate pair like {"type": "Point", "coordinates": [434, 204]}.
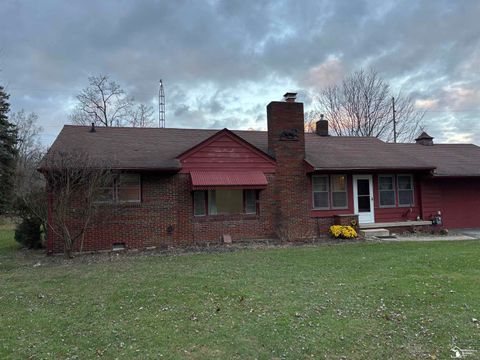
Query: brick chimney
{"type": "Point", "coordinates": [285, 124]}
{"type": "Point", "coordinates": [321, 126]}
{"type": "Point", "coordinates": [286, 142]}
{"type": "Point", "coordinates": [424, 139]}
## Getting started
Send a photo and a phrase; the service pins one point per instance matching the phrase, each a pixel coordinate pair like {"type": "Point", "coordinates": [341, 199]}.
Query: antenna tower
{"type": "Point", "coordinates": [161, 106]}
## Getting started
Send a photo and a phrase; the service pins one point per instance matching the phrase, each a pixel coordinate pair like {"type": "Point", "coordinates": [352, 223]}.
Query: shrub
{"type": "Point", "coordinates": [343, 232]}
{"type": "Point", "coordinates": [28, 233]}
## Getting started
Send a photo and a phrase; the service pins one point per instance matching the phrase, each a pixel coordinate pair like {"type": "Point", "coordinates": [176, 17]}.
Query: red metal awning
{"type": "Point", "coordinates": [202, 180]}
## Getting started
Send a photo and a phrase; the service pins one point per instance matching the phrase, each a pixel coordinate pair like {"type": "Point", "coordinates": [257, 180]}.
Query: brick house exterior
{"type": "Point", "coordinates": [187, 187]}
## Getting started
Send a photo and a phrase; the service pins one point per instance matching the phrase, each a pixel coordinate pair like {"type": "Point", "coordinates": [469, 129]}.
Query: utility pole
{"type": "Point", "coordinates": [394, 121]}
{"type": "Point", "coordinates": [161, 106]}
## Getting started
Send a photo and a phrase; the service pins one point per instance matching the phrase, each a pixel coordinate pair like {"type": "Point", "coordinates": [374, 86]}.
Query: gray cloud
{"type": "Point", "coordinates": [223, 61]}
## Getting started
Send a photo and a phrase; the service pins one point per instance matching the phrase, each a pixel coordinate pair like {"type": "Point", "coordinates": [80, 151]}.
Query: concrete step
{"type": "Point", "coordinates": [369, 233]}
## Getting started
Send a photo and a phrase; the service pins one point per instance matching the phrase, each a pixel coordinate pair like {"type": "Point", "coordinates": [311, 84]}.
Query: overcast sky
{"type": "Point", "coordinates": [223, 61]}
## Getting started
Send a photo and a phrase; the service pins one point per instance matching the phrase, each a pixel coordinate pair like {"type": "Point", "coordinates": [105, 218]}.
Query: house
{"type": "Point", "coordinates": [180, 187]}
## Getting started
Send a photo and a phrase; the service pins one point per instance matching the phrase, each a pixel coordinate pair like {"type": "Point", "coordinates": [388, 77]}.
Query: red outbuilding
{"type": "Point", "coordinates": [181, 187]}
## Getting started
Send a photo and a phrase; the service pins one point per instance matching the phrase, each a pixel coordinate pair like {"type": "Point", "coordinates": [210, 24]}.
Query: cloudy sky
{"type": "Point", "coordinates": [223, 61]}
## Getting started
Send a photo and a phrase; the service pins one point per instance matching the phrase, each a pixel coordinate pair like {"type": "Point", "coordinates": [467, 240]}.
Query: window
{"type": "Point", "coordinates": [128, 188]}
{"type": "Point", "coordinates": [329, 192]}
{"type": "Point", "coordinates": [199, 202]}
{"type": "Point", "coordinates": [320, 192]}
{"type": "Point", "coordinates": [250, 201]}
{"type": "Point", "coordinates": [124, 188]}
{"type": "Point", "coordinates": [225, 202]}
{"type": "Point", "coordinates": [405, 190]}
{"type": "Point", "coordinates": [339, 191]}
{"type": "Point", "coordinates": [386, 189]}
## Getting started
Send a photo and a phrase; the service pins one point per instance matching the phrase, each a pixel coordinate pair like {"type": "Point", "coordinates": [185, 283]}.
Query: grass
{"type": "Point", "coordinates": [357, 301]}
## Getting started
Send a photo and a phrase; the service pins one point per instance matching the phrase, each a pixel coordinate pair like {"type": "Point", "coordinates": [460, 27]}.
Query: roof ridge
{"type": "Point", "coordinates": [157, 128]}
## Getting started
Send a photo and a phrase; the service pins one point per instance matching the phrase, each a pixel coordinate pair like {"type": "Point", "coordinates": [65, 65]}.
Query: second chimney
{"type": "Point", "coordinates": [321, 127]}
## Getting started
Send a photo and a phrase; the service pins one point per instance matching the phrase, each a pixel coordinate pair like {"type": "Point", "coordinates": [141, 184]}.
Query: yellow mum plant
{"type": "Point", "coordinates": [343, 232]}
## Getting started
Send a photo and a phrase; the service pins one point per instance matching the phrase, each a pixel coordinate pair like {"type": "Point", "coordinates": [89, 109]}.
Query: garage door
{"type": "Point", "coordinates": [461, 203]}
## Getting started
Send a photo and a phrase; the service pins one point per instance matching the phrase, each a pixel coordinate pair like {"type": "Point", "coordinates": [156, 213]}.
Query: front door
{"type": "Point", "coordinates": [363, 198]}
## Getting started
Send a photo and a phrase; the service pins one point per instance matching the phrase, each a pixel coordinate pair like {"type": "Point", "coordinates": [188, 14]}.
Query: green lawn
{"type": "Point", "coordinates": [358, 301]}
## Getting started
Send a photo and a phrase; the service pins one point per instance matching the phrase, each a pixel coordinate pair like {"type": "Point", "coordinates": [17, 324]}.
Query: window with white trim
{"type": "Point", "coordinates": [386, 189]}
{"type": "Point", "coordinates": [225, 202]}
{"type": "Point", "coordinates": [124, 188]}
{"type": "Point", "coordinates": [405, 190]}
{"type": "Point", "coordinates": [329, 192]}
{"type": "Point", "coordinates": [320, 188]}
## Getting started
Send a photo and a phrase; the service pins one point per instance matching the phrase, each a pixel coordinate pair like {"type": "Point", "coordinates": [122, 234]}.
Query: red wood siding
{"type": "Point", "coordinates": [225, 152]}
{"type": "Point", "coordinates": [396, 213]}
{"type": "Point", "coordinates": [431, 193]}
{"type": "Point", "coordinates": [381, 214]}
{"type": "Point", "coordinates": [457, 199]}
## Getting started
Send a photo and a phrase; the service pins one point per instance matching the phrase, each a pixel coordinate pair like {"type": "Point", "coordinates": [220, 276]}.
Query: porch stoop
{"type": "Point", "coordinates": [395, 224]}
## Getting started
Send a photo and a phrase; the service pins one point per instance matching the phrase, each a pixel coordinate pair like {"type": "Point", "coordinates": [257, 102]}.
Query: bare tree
{"type": "Point", "coordinates": [28, 130]}
{"type": "Point", "coordinates": [141, 116]}
{"type": "Point", "coordinates": [310, 120]}
{"type": "Point", "coordinates": [29, 153]}
{"type": "Point", "coordinates": [103, 102]}
{"type": "Point", "coordinates": [75, 184]}
{"type": "Point", "coordinates": [362, 106]}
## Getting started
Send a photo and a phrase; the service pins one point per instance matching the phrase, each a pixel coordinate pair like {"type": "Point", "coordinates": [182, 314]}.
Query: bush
{"type": "Point", "coordinates": [29, 234]}
{"type": "Point", "coordinates": [343, 232]}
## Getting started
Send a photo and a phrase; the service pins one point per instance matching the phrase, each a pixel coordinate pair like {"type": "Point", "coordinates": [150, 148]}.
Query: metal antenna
{"type": "Point", "coordinates": [394, 121]}
{"type": "Point", "coordinates": [161, 106]}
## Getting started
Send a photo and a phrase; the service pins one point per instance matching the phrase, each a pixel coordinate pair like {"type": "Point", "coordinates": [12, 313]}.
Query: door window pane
{"type": "Point", "coordinates": [363, 195]}
{"type": "Point", "coordinates": [363, 187]}
{"type": "Point", "coordinates": [364, 203]}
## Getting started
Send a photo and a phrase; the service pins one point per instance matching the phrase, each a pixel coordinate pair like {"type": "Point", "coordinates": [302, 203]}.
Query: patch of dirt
{"type": "Point", "coordinates": [38, 258]}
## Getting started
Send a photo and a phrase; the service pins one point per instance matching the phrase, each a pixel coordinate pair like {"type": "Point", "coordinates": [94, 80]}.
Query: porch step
{"type": "Point", "coordinates": [369, 233]}
{"type": "Point", "coordinates": [395, 224]}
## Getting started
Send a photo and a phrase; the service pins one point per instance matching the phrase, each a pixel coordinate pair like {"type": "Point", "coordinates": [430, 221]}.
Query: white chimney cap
{"type": "Point", "coordinates": [290, 97]}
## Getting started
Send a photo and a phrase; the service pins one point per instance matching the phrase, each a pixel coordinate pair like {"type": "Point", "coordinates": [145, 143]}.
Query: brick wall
{"type": "Point", "coordinates": [286, 142]}
{"type": "Point", "coordinates": [167, 202]}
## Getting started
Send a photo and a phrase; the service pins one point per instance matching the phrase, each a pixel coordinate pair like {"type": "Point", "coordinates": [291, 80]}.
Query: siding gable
{"type": "Point", "coordinates": [226, 151]}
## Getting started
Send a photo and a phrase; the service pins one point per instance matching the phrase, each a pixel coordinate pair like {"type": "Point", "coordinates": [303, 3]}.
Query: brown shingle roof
{"type": "Point", "coordinates": [140, 148]}
{"type": "Point", "coordinates": [357, 153]}
{"type": "Point", "coordinates": [154, 148]}
{"type": "Point", "coordinates": [449, 159]}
